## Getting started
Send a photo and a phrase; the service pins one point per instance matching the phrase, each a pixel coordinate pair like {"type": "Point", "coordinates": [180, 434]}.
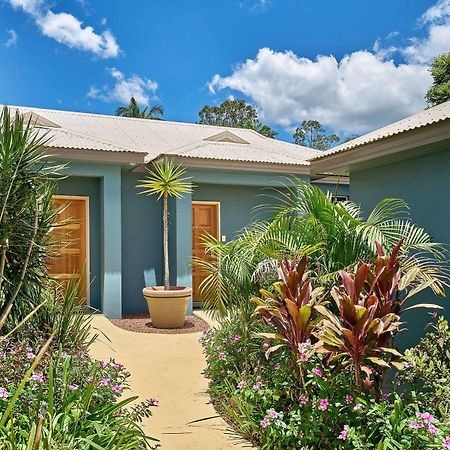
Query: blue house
{"type": "Point", "coordinates": [117, 247]}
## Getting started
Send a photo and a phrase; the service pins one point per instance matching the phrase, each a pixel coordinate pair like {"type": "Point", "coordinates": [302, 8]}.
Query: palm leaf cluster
{"type": "Point", "coordinates": [133, 110]}
{"type": "Point", "coordinates": [335, 236]}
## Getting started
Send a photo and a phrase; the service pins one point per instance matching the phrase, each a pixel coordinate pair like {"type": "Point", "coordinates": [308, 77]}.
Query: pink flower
{"type": "Point", "coordinates": [37, 377]}
{"type": "Point", "coordinates": [221, 356]}
{"type": "Point", "coordinates": [416, 425]}
{"type": "Point", "coordinates": [343, 434]}
{"type": "Point", "coordinates": [257, 385]}
{"type": "Point", "coordinates": [303, 399]}
{"type": "Point", "coordinates": [358, 406]}
{"type": "Point", "coordinates": [265, 422]}
{"type": "Point", "coordinates": [116, 388]}
{"type": "Point", "coordinates": [446, 443]}
{"type": "Point", "coordinates": [117, 365]}
{"type": "Point", "coordinates": [31, 355]}
{"type": "Point", "coordinates": [153, 401]}
{"type": "Point", "coordinates": [277, 366]}
{"type": "Point", "coordinates": [303, 357]}
{"type": "Point", "coordinates": [426, 417]}
{"type": "Point", "coordinates": [105, 382]}
{"type": "Point", "coordinates": [348, 399]}
{"type": "Point", "coordinates": [272, 414]}
{"type": "Point", "coordinates": [241, 384]}
{"type": "Point", "coordinates": [317, 372]}
{"type": "Point", "coordinates": [73, 387]}
{"type": "Point", "coordinates": [236, 338]}
{"type": "Point", "coordinates": [323, 405]}
{"type": "Point", "coordinates": [3, 393]}
{"type": "Point", "coordinates": [432, 429]}
{"type": "Point", "coordinates": [90, 378]}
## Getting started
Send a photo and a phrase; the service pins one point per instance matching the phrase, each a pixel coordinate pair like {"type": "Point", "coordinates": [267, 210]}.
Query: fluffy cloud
{"type": "Point", "coordinates": [356, 94]}
{"type": "Point", "coordinates": [142, 89]}
{"type": "Point", "coordinates": [437, 21]}
{"type": "Point", "coordinates": [68, 30]}
{"type": "Point", "coordinates": [362, 91]}
{"type": "Point", "coordinates": [12, 40]}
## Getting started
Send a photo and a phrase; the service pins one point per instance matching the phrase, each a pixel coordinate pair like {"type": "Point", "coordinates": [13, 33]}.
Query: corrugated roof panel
{"type": "Point", "coordinates": [157, 137]}
{"type": "Point", "coordinates": [418, 120]}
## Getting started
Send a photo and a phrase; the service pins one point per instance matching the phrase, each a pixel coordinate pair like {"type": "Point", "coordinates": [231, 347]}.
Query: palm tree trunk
{"type": "Point", "coordinates": [166, 243]}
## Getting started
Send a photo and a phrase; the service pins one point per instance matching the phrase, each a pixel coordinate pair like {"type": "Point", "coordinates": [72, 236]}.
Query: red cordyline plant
{"type": "Point", "coordinates": [292, 310]}
{"type": "Point", "coordinates": [369, 303]}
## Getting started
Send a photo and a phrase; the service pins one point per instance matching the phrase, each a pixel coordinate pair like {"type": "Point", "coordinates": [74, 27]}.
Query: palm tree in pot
{"type": "Point", "coordinates": [167, 304]}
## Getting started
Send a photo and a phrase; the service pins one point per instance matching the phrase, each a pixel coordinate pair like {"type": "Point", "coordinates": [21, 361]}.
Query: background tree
{"type": "Point", "coordinates": [234, 113]}
{"type": "Point", "coordinates": [133, 110]}
{"type": "Point", "coordinates": [312, 133]}
{"type": "Point", "coordinates": [440, 90]}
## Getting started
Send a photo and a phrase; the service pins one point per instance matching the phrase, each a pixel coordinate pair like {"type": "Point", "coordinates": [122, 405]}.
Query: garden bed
{"type": "Point", "coordinates": [142, 323]}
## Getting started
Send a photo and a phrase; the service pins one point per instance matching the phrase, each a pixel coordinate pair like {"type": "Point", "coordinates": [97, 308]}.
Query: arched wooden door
{"type": "Point", "coordinates": [205, 219]}
{"type": "Point", "coordinates": [72, 242]}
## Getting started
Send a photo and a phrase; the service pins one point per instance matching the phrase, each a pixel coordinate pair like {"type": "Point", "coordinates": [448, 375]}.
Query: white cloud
{"type": "Point", "coordinates": [142, 89]}
{"type": "Point", "coordinates": [356, 94]}
{"type": "Point", "coordinates": [12, 40]}
{"type": "Point", "coordinates": [364, 90]}
{"type": "Point", "coordinates": [437, 40]}
{"type": "Point", "coordinates": [68, 30]}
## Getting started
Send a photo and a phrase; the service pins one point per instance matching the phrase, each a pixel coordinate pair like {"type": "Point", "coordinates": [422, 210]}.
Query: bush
{"type": "Point", "coordinates": [428, 368]}
{"type": "Point", "coordinates": [298, 389]}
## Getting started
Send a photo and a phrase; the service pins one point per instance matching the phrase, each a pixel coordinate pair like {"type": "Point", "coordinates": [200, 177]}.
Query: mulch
{"type": "Point", "coordinates": [142, 323]}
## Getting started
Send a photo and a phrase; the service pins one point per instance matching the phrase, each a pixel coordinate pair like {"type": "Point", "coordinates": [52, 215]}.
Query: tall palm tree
{"type": "Point", "coordinates": [133, 110]}
{"type": "Point", "coordinates": [166, 180]}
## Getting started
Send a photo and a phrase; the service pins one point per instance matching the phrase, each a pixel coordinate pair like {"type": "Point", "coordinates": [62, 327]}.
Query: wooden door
{"type": "Point", "coordinates": [205, 219]}
{"type": "Point", "coordinates": [71, 261]}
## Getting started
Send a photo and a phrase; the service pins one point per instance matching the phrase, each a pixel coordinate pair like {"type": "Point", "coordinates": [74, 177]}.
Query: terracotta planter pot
{"type": "Point", "coordinates": [167, 308]}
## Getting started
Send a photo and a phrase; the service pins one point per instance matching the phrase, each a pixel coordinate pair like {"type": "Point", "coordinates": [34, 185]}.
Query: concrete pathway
{"type": "Point", "coordinates": [169, 368]}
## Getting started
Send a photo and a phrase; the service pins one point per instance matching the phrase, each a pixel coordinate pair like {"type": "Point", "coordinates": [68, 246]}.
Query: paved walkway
{"type": "Point", "coordinates": [169, 368]}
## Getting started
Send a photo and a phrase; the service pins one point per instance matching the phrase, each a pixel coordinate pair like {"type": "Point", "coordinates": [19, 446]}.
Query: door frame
{"type": "Point", "coordinates": [85, 198]}
{"type": "Point", "coordinates": [205, 202]}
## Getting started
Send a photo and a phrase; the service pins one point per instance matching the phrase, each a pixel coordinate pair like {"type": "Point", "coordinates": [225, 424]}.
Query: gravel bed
{"type": "Point", "coordinates": [142, 323]}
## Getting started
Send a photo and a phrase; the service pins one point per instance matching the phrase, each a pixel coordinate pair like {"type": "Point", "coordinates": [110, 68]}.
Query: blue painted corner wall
{"type": "Point", "coordinates": [424, 183]}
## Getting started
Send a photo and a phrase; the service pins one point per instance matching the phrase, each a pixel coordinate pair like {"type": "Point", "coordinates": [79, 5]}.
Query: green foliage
{"type": "Point", "coordinates": [165, 179]}
{"type": "Point", "coordinates": [266, 403]}
{"type": "Point", "coordinates": [311, 133]}
{"type": "Point", "coordinates": [428, 366]}
{"type": "Point", "coordinates": [439, 92]}
{"type": "Point", "coordinates": [234, 113]}
{"type": "Point", "coordinates": [27, 183]}
{"type": "Point", "coordinates": [333, 235]}
{"type": "Point", "coordinates": [133, 110]}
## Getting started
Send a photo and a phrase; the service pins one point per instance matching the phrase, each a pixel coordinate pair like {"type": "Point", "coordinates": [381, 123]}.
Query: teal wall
{"type": "Point", "coordinates": [89, 187]}
{"type": "Point", "coordinates": [424, 183]}
{"type": "Point", "coordinates": [141, 243]}
{"type": "Point", "coordinates": [237, 204]}
{"type": "Point", "coordinates": [126, 228]}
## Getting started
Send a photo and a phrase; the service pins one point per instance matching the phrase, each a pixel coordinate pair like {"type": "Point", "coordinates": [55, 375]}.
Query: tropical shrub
{"type": "Point", "coordinates": [304, 387]}
{"type": "Point", "coordinates": [335, 237]}
{"type": "Point", "coordinates": [428, 369]}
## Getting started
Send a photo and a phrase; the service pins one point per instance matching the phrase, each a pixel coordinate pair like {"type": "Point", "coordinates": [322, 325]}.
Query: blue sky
{"type": "Point", "coordinates": [90, 55]}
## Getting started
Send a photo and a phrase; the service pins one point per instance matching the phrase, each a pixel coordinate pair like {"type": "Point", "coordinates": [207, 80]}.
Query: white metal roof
{"type": "Point", "coordinates": [154, 138]}
{"type": "Point", "coordinates": [418, 120]}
